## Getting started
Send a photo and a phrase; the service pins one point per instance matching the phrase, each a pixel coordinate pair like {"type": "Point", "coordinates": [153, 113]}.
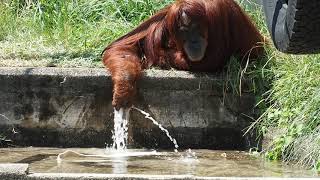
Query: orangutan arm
{"type": "Point", "coordinates": [125, 69]}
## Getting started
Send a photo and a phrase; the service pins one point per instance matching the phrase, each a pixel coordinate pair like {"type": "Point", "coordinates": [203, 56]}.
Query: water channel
{"type": "Point", "coordinates": [206, 163]}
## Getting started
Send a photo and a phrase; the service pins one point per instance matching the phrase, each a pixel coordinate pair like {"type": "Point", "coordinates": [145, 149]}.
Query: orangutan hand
{"type": "Point", "coordinates": [123, 94]}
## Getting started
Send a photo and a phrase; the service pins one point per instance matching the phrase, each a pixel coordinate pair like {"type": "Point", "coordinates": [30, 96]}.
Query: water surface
{"type": "Point", "coordinates": [206, 163]}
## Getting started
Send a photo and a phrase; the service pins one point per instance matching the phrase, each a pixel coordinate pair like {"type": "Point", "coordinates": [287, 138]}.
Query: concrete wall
{"type": "Point", "coordinates": [72, 107]}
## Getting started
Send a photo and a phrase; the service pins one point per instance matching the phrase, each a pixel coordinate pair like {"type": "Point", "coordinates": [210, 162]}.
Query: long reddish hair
{"type": "Point", "coordinates": [229, 31]}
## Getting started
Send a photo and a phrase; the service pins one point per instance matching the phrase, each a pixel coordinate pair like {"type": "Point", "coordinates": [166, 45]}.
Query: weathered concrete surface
{"type": "Point", "coordinates": [19, 172]}
{"type": "Point", "coordinates": [143, 177]}
{"type": "Point", "coordinates": [72, 107]}
{"type": "Point", "coordinates": [13, 171]}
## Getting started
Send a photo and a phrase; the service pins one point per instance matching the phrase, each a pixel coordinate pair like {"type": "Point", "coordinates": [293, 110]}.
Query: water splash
{"type": "Point", "coordinates": [148, 116]}
{"type": "Point", "coordinates": [120, 133]}
{"type": "Point", "coordinates": [189, 157]}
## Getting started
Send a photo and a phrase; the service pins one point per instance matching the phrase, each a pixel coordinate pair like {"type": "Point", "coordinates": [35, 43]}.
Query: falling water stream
{"type": "Point", "coordinates": [147, 116]}
{"type": "Point", "coordinates": [120, 133]}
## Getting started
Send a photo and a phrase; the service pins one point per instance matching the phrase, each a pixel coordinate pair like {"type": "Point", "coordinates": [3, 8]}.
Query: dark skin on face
{"type": "Point", "coordinates": [193, 38]}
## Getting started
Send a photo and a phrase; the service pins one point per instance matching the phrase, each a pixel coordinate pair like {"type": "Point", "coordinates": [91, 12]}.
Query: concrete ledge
{"type": "Point", "coordinates": [20, 172]}
{"type": "Point", "coordinates": [72, 176]}
{"type": "Point", "coordinates": [143, 177]}
{"type": "Point", "coordinates": [51, 106]}
{"type": "Point", "coordinates": [13, 171]}
{"type": "Point", "coordinates": [101, 78]}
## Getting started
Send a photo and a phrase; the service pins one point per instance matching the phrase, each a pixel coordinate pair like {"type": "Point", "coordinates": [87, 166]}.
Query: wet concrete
{"type": "Point", "coordinates": [52, 106]}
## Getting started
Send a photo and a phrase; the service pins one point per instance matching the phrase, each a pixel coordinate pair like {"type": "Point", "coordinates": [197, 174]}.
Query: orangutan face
{"type": "Point", "coordinates": [194, 38]}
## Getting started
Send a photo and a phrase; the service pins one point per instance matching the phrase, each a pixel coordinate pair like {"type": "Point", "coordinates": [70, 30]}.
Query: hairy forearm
{"type": "Point", "coordinates": [125, 71]}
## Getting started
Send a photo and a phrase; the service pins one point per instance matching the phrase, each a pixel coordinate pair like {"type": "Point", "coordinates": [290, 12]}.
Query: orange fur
{"type": "Point", "coordinates": [228, 29]}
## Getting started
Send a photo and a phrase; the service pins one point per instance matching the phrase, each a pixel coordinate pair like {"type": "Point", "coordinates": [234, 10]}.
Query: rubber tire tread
{"type": "Point", "coordinates": [294, 26]}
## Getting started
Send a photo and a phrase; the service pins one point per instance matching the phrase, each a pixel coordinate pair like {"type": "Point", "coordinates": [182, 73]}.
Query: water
{"type": "Point", "coordinates": [147, 116]}
{"type": "Point", "coordinates": [120, 133]}
{"type": "Point", "coordinates": [207, 164]}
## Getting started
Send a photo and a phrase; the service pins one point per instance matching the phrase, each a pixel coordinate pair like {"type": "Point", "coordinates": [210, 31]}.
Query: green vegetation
{"type": "Point", "coordinates": [293, 119]}
{"type": "Point", "coordinates": [65, 33]}
{"type": "Point", "coordinates": [73, 33]}
{"type": "Point", "coordinates": [290, 122]}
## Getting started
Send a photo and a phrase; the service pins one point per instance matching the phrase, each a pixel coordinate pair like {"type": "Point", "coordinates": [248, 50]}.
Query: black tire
{"type": "Point", "coordinates": [294, 25]}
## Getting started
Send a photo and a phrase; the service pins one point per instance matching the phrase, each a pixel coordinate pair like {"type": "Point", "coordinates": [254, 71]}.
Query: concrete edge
{"type": "Point", "coordinates": [100, 77]}
{"type": "Point", "coordinates": [89, 176]}
{"type": "Point", "coordinates": [14, 168]}
{"type": "Point", "coordinates": [13, 171]}
{"type": "Point", "coordinates": [86, 72]}
{"type": "Point", "coordinates": [21, 171]}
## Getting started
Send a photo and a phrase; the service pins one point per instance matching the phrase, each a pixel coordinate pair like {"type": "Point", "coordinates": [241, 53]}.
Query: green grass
{"type": "Point", "coordinates": [73, 33]}
{"type": "Point", "coordinates": [290, 120]}
{"type": "Point", "coordinates": [293, 118]}
{"type": "Point", "coordinates": [66, 33]}
{"type": "Point", "coordinates": [287, 88]}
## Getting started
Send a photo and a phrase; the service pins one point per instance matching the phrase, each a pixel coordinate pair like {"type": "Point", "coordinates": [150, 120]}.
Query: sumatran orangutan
{"type": "Point", "coordinates": [195, 35]}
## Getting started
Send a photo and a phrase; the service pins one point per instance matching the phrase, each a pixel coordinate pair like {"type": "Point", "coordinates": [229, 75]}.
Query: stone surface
{"type": "Point", "coordinates": [20, 172]}
{"type": "Point", "coordinates": [72, 107]}
{"type": "Point", "coordinates": [13, 171]}
{"type": "Point", "coordinates": [70, 176]}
